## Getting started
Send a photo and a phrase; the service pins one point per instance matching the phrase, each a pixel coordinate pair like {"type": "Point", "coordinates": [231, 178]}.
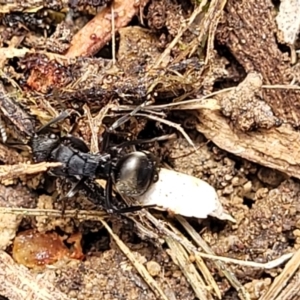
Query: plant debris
{"type": "Point", "coordinates": [211, 89]}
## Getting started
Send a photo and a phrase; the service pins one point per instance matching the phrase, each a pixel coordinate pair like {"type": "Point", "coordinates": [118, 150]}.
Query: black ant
{"type": "Point", "coordinates": [131, 173]}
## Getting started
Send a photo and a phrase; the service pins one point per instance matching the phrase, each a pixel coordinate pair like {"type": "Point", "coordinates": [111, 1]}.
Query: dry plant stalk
{"type": "Point", "coordinates": [94, 35]}
{"type": "Point", "coordinates": [181, 258]}
{"type": "Point", "coordinates": [15, 171]}
{"type": "Point", "coordinates": [291, 290]}
{"type": "Point", "coordinates": [210, 281]}
{"type": "Point", "coordinates": [219, 264]}
{"type": "Point", "coordinates": [216, 10]}
{"type": "Point", "coordinates": [95, 124]}
{"type": "Point", "coordinates": [281, 281]}
{"type": "Point", "coordinates": [139, 267]}
{"type": "Point", "coordinates": [81, 215]}
{"type": "Point", "coordinates": [168, 50]}
{"type": "Point", "coordinates": [17, 283]}
{"type": "Point", "coordinates": [276, 148]}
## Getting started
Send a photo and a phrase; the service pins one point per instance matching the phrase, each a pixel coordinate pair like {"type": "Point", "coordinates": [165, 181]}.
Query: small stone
{"type": "Point", "coordinates": [296, 233]}
{"type": "Point", "coordinates": [247, 187]}
{"type": "Point", "coordinates": [153, 268]}
{"type": "Point", "coordinates": [228, 177]}
{"type": "Point", "coordinates": [235, 181]}
{"type": "Point", "coordinates": [177, 274]}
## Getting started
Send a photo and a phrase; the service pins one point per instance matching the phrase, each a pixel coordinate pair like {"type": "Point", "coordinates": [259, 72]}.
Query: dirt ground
{"type": "Point", "coordinates": [220, 79]}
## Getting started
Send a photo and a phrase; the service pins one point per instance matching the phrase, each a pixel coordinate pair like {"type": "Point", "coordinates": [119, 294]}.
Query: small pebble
{"type": "Point", "coordinates": [247, 187]}
{"type": "Point", "coordinates": [296, 233]}
{"type": "Point", "coordinates": [177, 274]}
{"type": "Point", "coordinates": [153, 268]}
{"type": "Point", "coordinates": [228, 177]}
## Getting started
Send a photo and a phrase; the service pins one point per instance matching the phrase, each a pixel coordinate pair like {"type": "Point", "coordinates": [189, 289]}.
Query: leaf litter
{"type": "Point", "coordinates": [229, 90]}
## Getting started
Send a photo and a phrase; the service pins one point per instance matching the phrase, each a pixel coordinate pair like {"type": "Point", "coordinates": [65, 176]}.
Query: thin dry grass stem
{"type": "Point", "coordinates": [181, 258]}
{"type": "Point", "coordinates": [218, 7]}
{"type": "Point", "coordinates": [55, 213]}
{"type": "Point", "coordinates": [113, 36]}
{"type": "Point", "coordinates": [94, 139]}
{"type": "Point", "coordinates": [162, 227]}
{"type": "Point", "coordinates": [139, 267]}
{"type": "Point", "coordinates": [291, 291]}
{"type": "Point", "coordinates": [199, 102]}
{"type": "Point", "coordinates": [211, 104]}
{"type": "Point", "coordinates": [143, 229]}
{"type": "Point", "coordinates": [281, 281]}
{"type": "Point", "coordinates": [171, 124]}
{"type": "Point", "coordinates": [129, 108]}
{"type": "Point", "coordinates": [211, 283]}
{"type": "Point", "coordinates": [181, 31]}
{"type": "Point", "coordinates": [234, 282]}
{"type": "Point", "coordinates": [220, 266]}
{"type": "Point", "coordinates": [95, 124]}
{"type": "Point", "coordinates": [282, 86]}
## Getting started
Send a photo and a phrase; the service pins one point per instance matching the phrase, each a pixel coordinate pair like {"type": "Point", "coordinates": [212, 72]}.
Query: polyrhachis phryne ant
{"type": "Point", "coordinates": [131, 173]}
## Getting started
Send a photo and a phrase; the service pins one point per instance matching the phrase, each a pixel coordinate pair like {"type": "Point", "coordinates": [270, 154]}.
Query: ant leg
{"type": "Point", "coordinates": [94, 192]}
{"type": "Point", "coordinates": [108, 204]}
{"type": "Point", "coordinates": [62, 116]}
{"type": "Point", "coordinates": [71, 193]}
{"type": "Point", "coordinates": [126, 117]}
{"type": "Point", "coordinates": [105, 142]}
{"type": "Point", "coordinates": [108, 196]}
{"type": "Point", "coordinates": [118, 123]}
{"type": "Point", "coordinates": [133, 208]}
{"type": "Point", "coordinates": [120, 147]}
{"type": "Point", "coordinates": [75, 188]}
{"type": "Point", "coordinates": [77, 143]}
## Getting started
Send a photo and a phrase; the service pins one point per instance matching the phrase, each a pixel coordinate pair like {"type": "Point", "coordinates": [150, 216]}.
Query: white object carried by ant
{"type": "Point", "coordinates": [184, 195]}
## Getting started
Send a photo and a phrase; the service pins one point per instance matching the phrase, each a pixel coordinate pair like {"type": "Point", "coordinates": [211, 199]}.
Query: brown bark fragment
{"type": "Point", "coordinates": [92, 37]}
{"type": "Point", "coordinates": [9, 155]}
{"type": "Point", "coordinates": [248, 31]}
{"type": "Point", "coordinates": [277, 148]}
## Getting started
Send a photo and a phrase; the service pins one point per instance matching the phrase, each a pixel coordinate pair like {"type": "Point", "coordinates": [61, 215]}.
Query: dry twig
{"type": "Point", "coordinates": [139, 267]}
{"type": "Point", "coordinates": [181, 258]}
{"type": "Point", "coordinates": [55, 213]}
{"type": "Point", "coordinates": [283, 155]}
{"type": "Point", "coordinates": [94, 35]}
{"type": "Point", "coordinates": [15, 171]}
{"type": "Point", "coordinates": [211, 283]}
{"type": "Point", "coordinates": [182, 30]}
{"type": "Point", "coordinates": [171, 124]}
{"type": "Point", "coordinates": [95, 124]}
{"type": "Point", "coordinates": [281, 281]}
{"type": "Point", "coordinates": [17, 283]}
